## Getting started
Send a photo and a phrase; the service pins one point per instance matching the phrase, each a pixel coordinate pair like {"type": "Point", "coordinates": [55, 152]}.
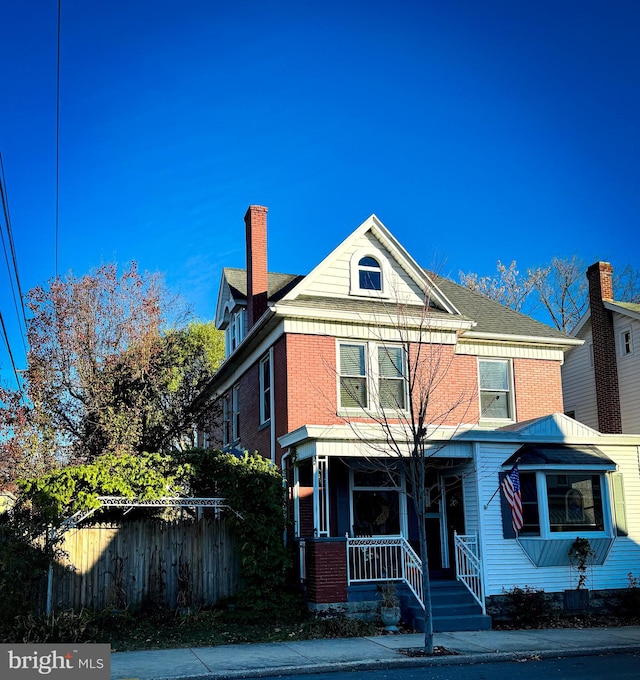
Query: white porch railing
{"type": "Point", "coordinates": [469, 567]}
{"type": "Point", "coordinates": [384, 558]}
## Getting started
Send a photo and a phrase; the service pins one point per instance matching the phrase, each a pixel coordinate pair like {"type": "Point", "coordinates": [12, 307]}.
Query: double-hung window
{"type": "Point", "coordinates": [353, 375]}
{"type": "Point", "coordinates": [226, 420]}
{"type": "Point", "coordinates": [234, 332]}
{"type": "Point", "coordinates": [235, 414]}
{"type": "Point", "coordinates": [265, 389]}
{"type": "Point", "coordinates": [392, 389]}
{"type": "Point", "coordinates": [495, 390]}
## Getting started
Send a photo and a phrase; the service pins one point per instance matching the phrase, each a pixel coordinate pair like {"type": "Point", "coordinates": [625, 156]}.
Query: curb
{"type": "Point", "coordinates": [409, 662]}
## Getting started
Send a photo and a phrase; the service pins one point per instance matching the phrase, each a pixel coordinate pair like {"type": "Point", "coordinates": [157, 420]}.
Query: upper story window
{"type": "Point", "coordinates": [235, 414]}
{"type": "Point", "coordinates": [369, 274]}
{"type": "Point", "coordinates": [265, 389]}
{"type": "Point", "coordinates": [353, 376]}
{"type": "Point", "coordinates": [235, 331]}
{"type": "Point", "coordinates": [626, 342]}
{"type": "Point", "coordinates": [496, 400]}
{"type": "Point", "coordinates": [377, 383]}
{"type": "Point", "coordinates": [392, 384]}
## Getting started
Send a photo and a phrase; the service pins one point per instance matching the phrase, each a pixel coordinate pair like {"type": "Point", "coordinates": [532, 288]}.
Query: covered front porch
{"type": "Point", "coordinates": [356, 525]}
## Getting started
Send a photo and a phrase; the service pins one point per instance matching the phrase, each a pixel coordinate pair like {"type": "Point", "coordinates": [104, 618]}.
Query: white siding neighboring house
{"type": "Point", "coordinates": [601, 379]}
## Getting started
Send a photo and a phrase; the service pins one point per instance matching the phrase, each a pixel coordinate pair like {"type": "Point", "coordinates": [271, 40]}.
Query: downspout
{"type": "Point", "coordinates": [272, 408]}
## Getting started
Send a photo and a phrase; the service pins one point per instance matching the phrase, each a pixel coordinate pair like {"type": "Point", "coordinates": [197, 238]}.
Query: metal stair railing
{"type": "Point", "coordinates": [469, 566]}
{"type": "Point", "coordinates": [384, 558]}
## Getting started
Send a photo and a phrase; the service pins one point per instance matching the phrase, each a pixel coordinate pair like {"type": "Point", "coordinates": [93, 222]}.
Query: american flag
{"type": "Point", "coordinates": [511, 489]}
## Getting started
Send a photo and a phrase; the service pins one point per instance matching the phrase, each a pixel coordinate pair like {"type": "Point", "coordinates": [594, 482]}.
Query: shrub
{"type": "Point", "coordinates": [339, 626]}
{"type": "Point", "coordinates": [629, 602]}
{"type": "Point", "coordinates": [528, 607]}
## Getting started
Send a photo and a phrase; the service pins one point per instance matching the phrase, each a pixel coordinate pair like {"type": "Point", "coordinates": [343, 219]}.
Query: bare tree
{"type": "Point", "coordinates": [506, 286]}
{"type": "Point", "coordinates": [560, 288]}
{"type": "Point", "coordinates": [418, 391]}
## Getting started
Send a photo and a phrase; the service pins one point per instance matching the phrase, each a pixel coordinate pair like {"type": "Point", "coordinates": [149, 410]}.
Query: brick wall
{"type": "Point", "coordinates": [311, 380]}
{"type": "Point", "coordinates": [538, 388]}
{"type": "Point", "coordinates": [451, 383]}
{"type": "Point", "coordinates": [326, 571]}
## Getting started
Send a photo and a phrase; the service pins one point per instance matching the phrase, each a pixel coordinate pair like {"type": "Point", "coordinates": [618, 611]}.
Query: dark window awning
{"type": "Point", "coordinates": [540, 455]}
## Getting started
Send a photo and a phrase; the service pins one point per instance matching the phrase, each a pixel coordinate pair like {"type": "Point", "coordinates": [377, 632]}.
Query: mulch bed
{"type": "Point", "coordinates": [417, 652]}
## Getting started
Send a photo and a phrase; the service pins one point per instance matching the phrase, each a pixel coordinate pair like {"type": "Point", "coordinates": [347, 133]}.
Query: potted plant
{"type": "Point", "coordinates": [390, 608]}
{"type": "Point", "coordinates": [581, 554]}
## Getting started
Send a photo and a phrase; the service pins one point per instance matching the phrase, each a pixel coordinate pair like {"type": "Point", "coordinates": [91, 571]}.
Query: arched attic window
{"type": "Point", "coordinates": [369, 274]}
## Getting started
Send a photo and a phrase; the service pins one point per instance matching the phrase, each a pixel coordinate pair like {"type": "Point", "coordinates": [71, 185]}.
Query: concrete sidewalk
{"type": "Point", "coordinates": [377, 652]}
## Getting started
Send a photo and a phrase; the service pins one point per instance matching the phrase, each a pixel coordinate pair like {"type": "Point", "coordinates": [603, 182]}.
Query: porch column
{"type": "Point", "coordinates": [321, 496]}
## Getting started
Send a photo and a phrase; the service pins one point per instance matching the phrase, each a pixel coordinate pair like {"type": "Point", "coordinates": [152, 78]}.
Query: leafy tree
{"type": "Point", "coordinates": [104, 373]}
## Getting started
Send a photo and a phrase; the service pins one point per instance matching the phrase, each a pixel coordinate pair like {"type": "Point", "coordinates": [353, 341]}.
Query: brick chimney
{"type": "Point", "coordinates": [257, 276]}
{"type": "Point", "coordinates": [605, 368]}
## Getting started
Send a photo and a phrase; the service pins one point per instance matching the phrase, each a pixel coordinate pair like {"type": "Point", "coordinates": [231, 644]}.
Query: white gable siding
{"type": "Point", "coordinates": [505, 563]}
{"type": "Point", "coordinates": [335, 279]}
{"type": "Point", "coordinates": [578, 382]}
{"type": "Point", "coordinates": [628, 374]}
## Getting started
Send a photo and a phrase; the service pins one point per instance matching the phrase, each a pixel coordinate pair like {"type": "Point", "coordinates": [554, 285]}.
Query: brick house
{"type": "Point", "coordinates": [321, 367]}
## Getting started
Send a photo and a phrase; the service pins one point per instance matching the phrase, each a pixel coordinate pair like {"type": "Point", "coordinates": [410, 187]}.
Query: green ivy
{"type": "Point", "coordinates": [251, 485]}
{"type": "Point", "coordinates": [57, 495]}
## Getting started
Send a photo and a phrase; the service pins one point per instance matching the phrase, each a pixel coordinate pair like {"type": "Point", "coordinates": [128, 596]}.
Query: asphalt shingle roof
{"type": "Point", "coordinates": [490, 316]}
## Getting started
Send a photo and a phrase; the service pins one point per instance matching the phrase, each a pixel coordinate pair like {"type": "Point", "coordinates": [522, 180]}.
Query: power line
{"type": "Point", "coordinates": [22, 319]}
{"type": "Point", "coordinates": [57, 142]}
{"type": "Point", "coordinates": [13, 363]}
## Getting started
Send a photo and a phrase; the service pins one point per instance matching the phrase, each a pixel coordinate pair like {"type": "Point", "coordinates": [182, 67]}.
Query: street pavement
{"type": "Point", "coordinates": [376, 652]}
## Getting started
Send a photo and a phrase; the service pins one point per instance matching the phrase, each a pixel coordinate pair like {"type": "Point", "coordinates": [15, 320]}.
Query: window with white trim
{"type": "Point", "coordinates": [235, 413]}
{"type": "Point", "coordinates": [226, 420]}
{"type": "Point", "coordinates": [562, 502]}
{"type": "Point", "coordinates": [626, 342]}
{"type": "Point", "coordinates": [496, 401]}
{"type": "Point", "coordinates": [369, 273]}
{"type": "Point", "coordinates": [234, 333]}
{"type": "Point", "coordinates": [265, 389]}
{"type": "Point", "coordinates": [353, 375]}
{"type": "Point", "coordinates": [392, 383]}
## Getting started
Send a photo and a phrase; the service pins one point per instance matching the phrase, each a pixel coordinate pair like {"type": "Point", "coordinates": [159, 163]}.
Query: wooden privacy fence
{"type": "Point", "coordinates": [175, 563]}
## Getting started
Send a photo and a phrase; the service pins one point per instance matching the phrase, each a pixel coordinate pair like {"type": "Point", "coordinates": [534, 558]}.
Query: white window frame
{"type": "Point", "coordinates": [509, 392]}
{"type": "Point", "coordinates": [265, 389]}
{"type": "Point", "coordinates": [226, 420]}
{"type": "Point", "coordinates": [372, 378]}
{"type": "Point", "coordinates": [235, 414]}
{"type": "Point", "coordinates": [354, 274]}
{"type": "Point", "coordinates": [608, 529]}
{"type": "Point", "coordinates": [366, 375]}
{"type": "Point", "coordinates": [626, 342]}
{"type": "Point", "coordinates": [402, 379]}
{"type": "Point", "coordinates": [234, 333]}
{"type": "Point", "coordinates": [400, 489]}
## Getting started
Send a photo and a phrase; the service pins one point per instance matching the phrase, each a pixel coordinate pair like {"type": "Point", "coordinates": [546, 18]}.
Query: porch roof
{"type": "Point", "coordinates": [358, 440]}
{"type": "Point", "coordinates": [560, 455]}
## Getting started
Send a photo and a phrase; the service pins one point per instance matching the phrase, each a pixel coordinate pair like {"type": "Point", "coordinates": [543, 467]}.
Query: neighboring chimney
{"type": "Point", "coordinates": [257, 276]}
{"type": "Point", "coordinates": [604, 348]}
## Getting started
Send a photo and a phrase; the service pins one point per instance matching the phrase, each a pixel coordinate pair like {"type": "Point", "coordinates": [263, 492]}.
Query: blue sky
{"type": "Point", "coordinates": [476, 131]}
